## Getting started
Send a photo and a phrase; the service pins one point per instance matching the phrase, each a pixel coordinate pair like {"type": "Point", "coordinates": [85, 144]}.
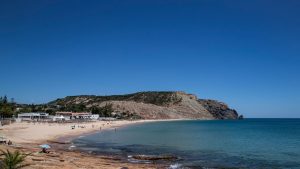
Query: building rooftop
{"type": "Point", "coordinates": [73, 113]}
{"type": "Point", "coordinates": [34, 114]}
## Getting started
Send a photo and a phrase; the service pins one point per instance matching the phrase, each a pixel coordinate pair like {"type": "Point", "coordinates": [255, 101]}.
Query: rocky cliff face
{"type": "Point", "coordinates": [218, 109]}
{"type": "Point", "coordinates": [155, 105]}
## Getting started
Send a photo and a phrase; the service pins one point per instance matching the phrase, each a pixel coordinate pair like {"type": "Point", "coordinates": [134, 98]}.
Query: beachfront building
{"type": "Point", "coordinates": [94, 116]}
{"type": "Point", "coordinates": [58, 118]}
{"type": "Point", "coordinates": [74, 115]}
{"type": "Point", "coordinates": [33, 116]}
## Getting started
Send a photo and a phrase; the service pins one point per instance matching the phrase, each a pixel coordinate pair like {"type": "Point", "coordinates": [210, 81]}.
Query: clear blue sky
{"type": "Point", "coordinates": [245, 53]}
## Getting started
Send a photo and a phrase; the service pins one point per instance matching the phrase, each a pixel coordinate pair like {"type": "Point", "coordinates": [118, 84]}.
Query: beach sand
{"type": "Point", "coordinates": [42, 132]}
{"type": "Point", "coordinates": [27, 137]}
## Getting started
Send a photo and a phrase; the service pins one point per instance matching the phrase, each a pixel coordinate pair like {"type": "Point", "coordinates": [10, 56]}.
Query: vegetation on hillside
{"type": "Point", "coordinates": [7, 108]}
{"type": "Point", "coordinates": [157, 98]}
{"type": "Point", "coordinates": [105, 111]}
{"type": "Point", "coordinates": [103, 105]}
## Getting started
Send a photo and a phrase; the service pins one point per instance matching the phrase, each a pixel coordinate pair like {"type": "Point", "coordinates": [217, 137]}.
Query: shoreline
{"type": "Point", "coordinates": [68, 138]}
{"type": "Point", "coordinates": [40, 132]}
{"type": "Point", "coordinates": [27, 137]}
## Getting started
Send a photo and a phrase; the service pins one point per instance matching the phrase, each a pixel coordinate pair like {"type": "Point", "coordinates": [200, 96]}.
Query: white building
{"type": "Point", "coordinates": [94, 116]}
{"type": "Point", "coordinates": [74, 115]}
{"type": "Point", "coordinates": [33, 116]}
{"type": "Point", "coordinates": [58, 118]}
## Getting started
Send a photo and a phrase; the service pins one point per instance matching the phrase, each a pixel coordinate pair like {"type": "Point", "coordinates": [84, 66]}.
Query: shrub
{"type": "Point", "coordinates": [12, 160]}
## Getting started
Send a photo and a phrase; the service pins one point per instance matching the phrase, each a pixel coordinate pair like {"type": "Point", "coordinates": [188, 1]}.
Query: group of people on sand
{"type": "Point", "coordinates": [9, 142]}
{"type": "Point", "coordinates": [93, 126]}
{"type": "Point", "coordinates": [78, 126]}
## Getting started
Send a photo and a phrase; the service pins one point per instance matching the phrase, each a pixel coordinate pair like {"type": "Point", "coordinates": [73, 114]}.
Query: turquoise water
{"type": "Point", "coordinates": [249, 143]}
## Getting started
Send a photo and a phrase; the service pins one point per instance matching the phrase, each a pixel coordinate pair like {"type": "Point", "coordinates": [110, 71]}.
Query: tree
{"type": "Point", "coordinates": [62, 108]}
{"type": "Point", "coordinates": [50, 111]}
{"type": "Point", "coordinates": [33, 108]}
{"type": "Point", "coordinates": [5, 99]}
{"type": "Point", "coordinates": [12, 160]}
{"type": "Point", "coordinates": [105, 111]}
{"type": "Point", "coordinates": [6, 110]}
{"type": "Point", "coordinates": [76, 108]}
{"type": "Point", "coordinates": [95, 110]}
{"type": "Point", "coordinates": [25, 110]}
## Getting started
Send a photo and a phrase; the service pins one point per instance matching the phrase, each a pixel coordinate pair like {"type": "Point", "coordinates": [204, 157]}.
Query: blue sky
{"type": "Point", "coordinates": [245, 53]}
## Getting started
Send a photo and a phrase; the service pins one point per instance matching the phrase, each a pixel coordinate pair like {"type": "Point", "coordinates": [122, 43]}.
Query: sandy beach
{"type": "Point", "coordinates": [41, 132]}
{"type": "Point", "coordinates": [26, 137]}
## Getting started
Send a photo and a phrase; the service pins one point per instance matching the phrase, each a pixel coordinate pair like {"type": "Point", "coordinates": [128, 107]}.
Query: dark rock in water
{"type": "Point", "coordinates": [241, 117]}
{"type": "Point", "coordinates": [154, 157]}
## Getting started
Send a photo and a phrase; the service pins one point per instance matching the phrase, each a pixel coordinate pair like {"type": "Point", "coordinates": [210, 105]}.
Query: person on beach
{"type": "Point", "coordinates": [44, 150]}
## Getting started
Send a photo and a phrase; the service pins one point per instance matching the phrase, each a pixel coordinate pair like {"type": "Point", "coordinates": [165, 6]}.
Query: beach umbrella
{"type": "Point", "coordinates": [45, 146]}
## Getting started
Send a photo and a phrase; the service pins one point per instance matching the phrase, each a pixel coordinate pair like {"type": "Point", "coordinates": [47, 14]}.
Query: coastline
{"type": "Point", "coordinates": [27, 137]}
{"type": "Point", "coordinates": [66, 139]}
{"type": "Point", "coordinates": [194, 152]}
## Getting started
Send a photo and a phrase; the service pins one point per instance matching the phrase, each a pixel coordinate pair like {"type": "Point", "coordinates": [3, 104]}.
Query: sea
{"type": "Point", "coordinates": [204, 144]}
